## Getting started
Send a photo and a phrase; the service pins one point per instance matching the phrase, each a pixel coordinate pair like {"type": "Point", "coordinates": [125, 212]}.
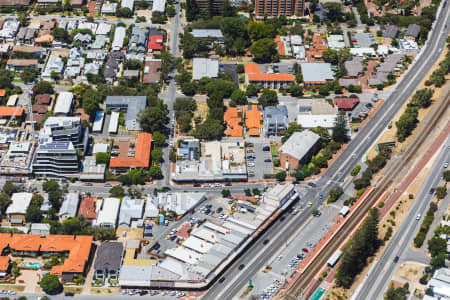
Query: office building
{"type": "Point", "coordinates": [56, 159]}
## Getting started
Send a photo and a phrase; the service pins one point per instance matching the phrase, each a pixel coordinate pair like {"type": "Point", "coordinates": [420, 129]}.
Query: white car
{"type": "Point", "coordinates": [418, 217]}
{"type": "Point", "coordinates": [446, 165]}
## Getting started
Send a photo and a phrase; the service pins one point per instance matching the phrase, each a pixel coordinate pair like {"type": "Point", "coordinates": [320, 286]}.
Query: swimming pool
{"type": "Point", "coordinates": [319, 292]}
{"type": "Point", "coordinates": [34, 266]}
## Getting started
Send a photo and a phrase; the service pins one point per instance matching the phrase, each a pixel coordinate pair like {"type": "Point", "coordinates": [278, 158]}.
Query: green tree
{"type": "Point", "coordinates": [290, 131]}
{"type": "Point", "coordinates": [281, 176]}
{"type": "Point", "coordinates": [157, 155]}
{"type": "Point", "coordinates": [117, 191]}
{"type": "Point", "coordinates": [438, 261]}
{"type": "Point", "coordinates": [5, 201]}
{"type": "Point", "coordinates": [102, 157]}
{"type": "Point", "coordinates": [268, 98]}
{"type": "Point", "coordinates": [400, 293]}
{"type": "Point", "coordinates": [28, 74]}
{"type": "Point", "coordinates": [226, 193]}
{"type": "Point", "coordinates": [158, 139]}
{"type": "Point", "coordinates": [261, 30]}
{"type": "Point", "coordinates": [50, 284]}
{"type": "Point", "coordinates": [446, 175]}
{"type": "Point", "coordinates": [324, 90]}
{"type": "Point", "coordinates": [153, 118]}
{"type": "Point", "coordinates": [422, 98]}
{"type": "Point", "coordinates": [437, 245]}
{"type": "Point", "coordinates": [211, 129]}
{"type": "Point", "coordinates": [441, 192]}
{"type": "Point", "coordinates": [407, 123]}
{"type": "Point", "coordinates": [192, 10]}
{"type": "Point", "coordinates": [339, 134]}
{"type": "Point", "coordinates": [134, 176]}
{"type": "Point", "coordinates": [238, 98]}
{"type": "Point", "coordinates": [50, 185]}
{"type": "Point", "coordinates": [264, 51]}
{"type": "Point", "coordinates": [124, 12]}
{"type": "Point", "coordinates": [60, 34]}
{"type": "Point", "coordinates": [43, 87]}
{"type": "Point", "coordinates": [330, 56]}
{"type": "Point", "coordinates": [155, 172]}
{"type": "Point", "coordinates": [295, 90]}
{"type": "Point", "coordinates": [91, 102]}
{"type": "Point", "coordinates": [252, 90]}
{"type": "Point", "coordinates": [9, 188]}
{"type": "Point", "coordinates": [188, 88]}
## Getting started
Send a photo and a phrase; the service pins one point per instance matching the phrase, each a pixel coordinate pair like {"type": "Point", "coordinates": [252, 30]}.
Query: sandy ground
{"type": "Point", "coordinates": [410, 272]}
{"type": "Point", "coordinates": [105, 291]}
{"type": "Point", "coordinates": [390, 134]}
{"type": "Point", "coordinates": [131, 234]}
{"type": "Point", "coordinates": [145, 13]}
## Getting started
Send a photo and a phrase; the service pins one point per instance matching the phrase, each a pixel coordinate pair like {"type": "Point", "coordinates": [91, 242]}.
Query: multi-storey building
{"type": "Point", "coordinates": [67, 129]}
{"type": "Point", "coordinates": [275, 8]}
{"type": "Point", "coordinates": [56, 159]}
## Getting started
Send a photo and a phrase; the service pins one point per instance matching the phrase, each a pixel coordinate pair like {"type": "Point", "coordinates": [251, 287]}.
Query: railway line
{"type": "Point", "coordinates": [394, 168]}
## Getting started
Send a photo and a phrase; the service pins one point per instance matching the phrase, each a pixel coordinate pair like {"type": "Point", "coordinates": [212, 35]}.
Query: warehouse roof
{"type": "Point", "coordinates": [299, 144]}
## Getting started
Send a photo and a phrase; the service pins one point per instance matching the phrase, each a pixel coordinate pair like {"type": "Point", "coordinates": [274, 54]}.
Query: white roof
{"type": "Point", "coordinates": [205, 67]}
{"type": "Point", "coordinates": [312, 121]}
{"type": "Point", "coordinates": [100, 147]}
{"type": "Point", "coordinates": [103, 28]}
{"type": "Point", "coordinates": [114, 122]}
{"type": "Point", "coordinates": [299, 144]}
{"type": "Point", "coordinates": [174, 266]}
{"type": "Point", "coordinates": [242, 223]}
{"type": "Point", "coordinates": [197, 245]}
{"type": "Point", "coordinates": [183, 254]}
{"type": "Point", "coordinates": [159, 5]}
{"type": "Point", "coordinates": [215, 227]}
{"type": "Point", "coordinates": [316, 72]}
{"type": "Point", "coordinates": [64, 103]}
{"type": "Point", "coordinates": [12, 100]}
{"type": "Point", "coordinates": [362, 51]}
{"type": "Point", "coordinates": [119, 36]}
{"type": "Point", "coordinates": [20, 203]}
{"type": "Point", "coordinates": [108, 213]}
{"type": "Point", "coordinates": [127, 3]}
{"type": "Point", "coordinates": [296, 40]}
{"type": "Point", "coordinates": [336, 41]}
{"type": "Point", "coordinates": [69, 206]}
{"type": "Point", "coordinates": [98, 122]}
{"type": "Point", "coordinates": [206, 234]}
{"type": "Point", "coordinates": [151, 211]}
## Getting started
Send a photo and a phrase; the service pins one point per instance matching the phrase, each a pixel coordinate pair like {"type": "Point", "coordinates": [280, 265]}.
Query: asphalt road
{"type": "Point", "coordinates": [258, 255]}
{"type": "Point", "coordinates": [375, 284]}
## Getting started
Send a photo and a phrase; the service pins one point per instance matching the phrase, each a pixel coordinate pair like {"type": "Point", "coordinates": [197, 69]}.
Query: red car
{"type": "Point", "coordinates": [305, 250]}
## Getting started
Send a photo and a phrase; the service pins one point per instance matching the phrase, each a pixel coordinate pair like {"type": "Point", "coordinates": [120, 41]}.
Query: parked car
{"type": "Point", "coordinates": [241, 266]}
{"type": "Point", "coordinates": [266, 148]}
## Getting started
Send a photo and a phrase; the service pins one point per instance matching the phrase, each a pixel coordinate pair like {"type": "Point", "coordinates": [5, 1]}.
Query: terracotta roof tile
{"type": "Point", "coordinates": [8, 111]}
{"type": "Point", "coordinates": [4, 263]}
{"type": "Point", "coordinates": [345, 103]}
{"type": "Point", "coordinates": [87, 208]}
{"type": "Point", "coordinates": [142, 154]}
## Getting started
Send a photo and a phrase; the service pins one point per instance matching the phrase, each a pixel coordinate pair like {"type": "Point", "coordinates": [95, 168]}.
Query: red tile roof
{"type": "Point", "coordinates": [254, 73]}
{"type": "Point", "coordinates": [2, 92]}
{"type": "Point", "coordinates": [87, 208]}
{"type": "Point", "coordinates": [141, 158]}
{"type": "Point", "coordinates": [232, 119]}
{"type": "Point", "coordinates": [345, 103]}
{"type": "Point", "coordinates": [155, 42]}
{"type": "Point", "coordinates": [4, 263]}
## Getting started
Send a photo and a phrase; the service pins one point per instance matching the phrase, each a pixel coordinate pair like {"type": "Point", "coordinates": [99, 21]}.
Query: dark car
{"type": "Point", "coordinates": [241, 266]}
{"type": "Point", "coordinates": [69, 294]}
{"type": "Point", "coordinates": [266, 148]}
{"type": "Point", "coordinates": [143, 293]}
{"type": "Point", "coordinates": [312, 184]}
{"type": "Point", "coordinates": [228, 184]}
{"type": "Point", "coordinates": [221, 279]}
{"type": "Point", "coordinates": [268, 160]}
{"type": "Point", "coordinates": [197, 185]}
{"type": "Point", "coordinates": [219, 210]}
{"type": "Point", "coordinates": [396, 259]}
{"type": "Point", "coordinates": [266, 242]}
{"type": "Point", "coordinates": [431, 191]}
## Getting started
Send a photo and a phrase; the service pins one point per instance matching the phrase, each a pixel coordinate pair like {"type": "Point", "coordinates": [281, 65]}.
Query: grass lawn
{"type": "Point", "coordinates": [274, 150]}
{"type": "Point", "coordinates": [73, 289]}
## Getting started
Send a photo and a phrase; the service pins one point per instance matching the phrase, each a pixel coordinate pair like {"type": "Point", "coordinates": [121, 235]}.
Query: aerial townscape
{"type": "Point", "coordinates": [225, 149]}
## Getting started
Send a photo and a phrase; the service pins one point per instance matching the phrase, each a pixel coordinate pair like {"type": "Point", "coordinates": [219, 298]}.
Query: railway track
{"type": "Point", "coordinates": [394, 168]}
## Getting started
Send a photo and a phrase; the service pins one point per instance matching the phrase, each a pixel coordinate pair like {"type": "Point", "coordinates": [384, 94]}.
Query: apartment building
{"type": "Point", "coordinates": [65, 129]}
{"type": "Point", "coordinates": [56, 159]}
{"type": "Point", "coordinates": [276, 8]}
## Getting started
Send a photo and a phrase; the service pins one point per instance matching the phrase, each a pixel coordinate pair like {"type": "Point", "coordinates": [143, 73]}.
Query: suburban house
{"type": "Point", "coordinates": [18, 65]}
{"type": "Point", "coordinates": [54, 65]}
{"type": "Point", "coordinates": [130, 210]}
{"type": "Point", "coordinates": [132, 105]}
{"type": "Point", "coordinates": [152, 71]}
{"type": "Point", "coordinates": [346, 104]}
{"type": "Point", "coordinates": [253, 119]}
{"type": "Point", "coordinates": [108, 260]}
{"type": "Point", "coordinates": [87, 209]}
{"type": "Point", "coordinates": [69, 206]}
{"type": "Point", "coordinates": [205, 67]}
{"type": "Point", "coordinates": [108, 213]}
{"type": "Point", "coordinates": [17, 209]}
{"type": "Point", "coordinates": [138, 40]}
{"type": "Point", "coordinates": [233, 121]}
{"type": "Point", "coordinates": [412, 32]}
{"type": "Point", "coordinates": [298, 149]}
{"type": "Point", "coordinates": [214, 35]}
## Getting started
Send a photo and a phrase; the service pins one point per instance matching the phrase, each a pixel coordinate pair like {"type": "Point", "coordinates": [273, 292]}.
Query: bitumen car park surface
{"type": "Point", "coordinates": [261, 166]}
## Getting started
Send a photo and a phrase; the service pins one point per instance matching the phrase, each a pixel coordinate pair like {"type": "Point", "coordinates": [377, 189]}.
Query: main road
{"type": "Point", "coordinates": [257, 256]}
{"type": "Point", "coordinates": [375, 283]}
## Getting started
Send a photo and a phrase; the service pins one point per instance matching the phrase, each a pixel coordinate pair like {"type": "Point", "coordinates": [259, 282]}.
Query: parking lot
{"type": "Point", "coordinates": [259, 162]}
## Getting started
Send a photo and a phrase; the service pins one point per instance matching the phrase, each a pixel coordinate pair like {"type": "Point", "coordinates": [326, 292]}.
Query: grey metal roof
{"type": "Point", "coordinates": [390, 32]}
{"type": "Point", "coordinates": [300, 143]}
{"type": "Point", "coordinates": [133, 104]}
{"type": "Point", "coordinates": [130, 209]}
{"type": "Point", "coordinates": [109, 256]}
{"type": "Point", "coordinates": [355, 66]}
{"type": "Point", "coordinates": [69, 206]}
{"type": "Point", "coordinates": [413, 30]}
{"type": "Point", "coordinates": [317, 72]}
{"type": "Point", "coordinates": [206, 33]}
